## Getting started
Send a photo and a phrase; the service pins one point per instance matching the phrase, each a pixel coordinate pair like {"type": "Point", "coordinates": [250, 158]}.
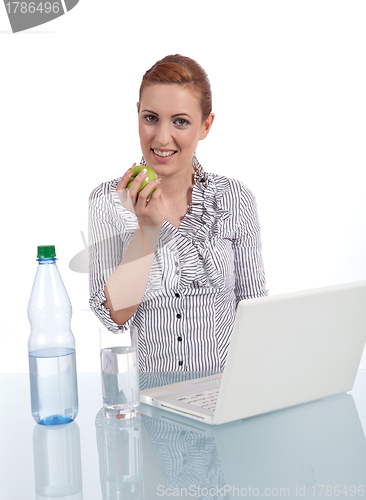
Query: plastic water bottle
{"type": "Point", "coordinates": [51, 345]}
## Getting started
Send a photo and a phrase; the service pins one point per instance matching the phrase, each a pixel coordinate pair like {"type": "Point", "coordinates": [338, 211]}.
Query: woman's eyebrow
{"type": "Point", "coordinates": [173, 116]}
{"type": "Point", "coordinates": [181, 114]}
{"type": "Point", "coordinates": [148, 111]}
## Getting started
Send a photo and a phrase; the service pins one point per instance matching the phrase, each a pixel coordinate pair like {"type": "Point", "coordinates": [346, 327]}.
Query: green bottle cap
{"type": "Point", "coordinates": [46, 252]}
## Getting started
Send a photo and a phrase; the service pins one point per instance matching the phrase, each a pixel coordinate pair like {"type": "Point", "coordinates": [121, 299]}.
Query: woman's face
{"type": "Point", "coordinates": [170, 126]}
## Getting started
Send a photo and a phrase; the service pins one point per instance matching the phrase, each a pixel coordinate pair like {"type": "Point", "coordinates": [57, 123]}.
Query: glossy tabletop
{"type": "Point", "coordinates": [315, 450]}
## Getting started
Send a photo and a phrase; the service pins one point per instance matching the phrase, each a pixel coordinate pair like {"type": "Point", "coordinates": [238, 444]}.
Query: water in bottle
{"type": "Point", "coordinates": [51, 345]}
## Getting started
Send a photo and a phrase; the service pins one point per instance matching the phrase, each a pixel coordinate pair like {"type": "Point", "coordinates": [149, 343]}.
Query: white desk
{"type": "Point", "coordinates": [307, 446]}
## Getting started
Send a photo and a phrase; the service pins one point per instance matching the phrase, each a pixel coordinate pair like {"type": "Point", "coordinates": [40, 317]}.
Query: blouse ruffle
{"type": "Point", "coordinates": [191, 244]}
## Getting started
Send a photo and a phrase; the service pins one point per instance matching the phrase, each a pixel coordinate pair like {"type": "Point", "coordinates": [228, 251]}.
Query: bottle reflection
{"type": "Point", "coordinates": [57, 462]}
{"type": "Point", "coordinates": [120, 457]}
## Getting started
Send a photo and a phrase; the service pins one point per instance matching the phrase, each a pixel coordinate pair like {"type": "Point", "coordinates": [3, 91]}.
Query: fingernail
{"type": "Point", "coordinates": [129, 171]}
{"type": "Point", "coordinates": [159, 180]}
{"type": "Point", "coordinates": [143, 172]}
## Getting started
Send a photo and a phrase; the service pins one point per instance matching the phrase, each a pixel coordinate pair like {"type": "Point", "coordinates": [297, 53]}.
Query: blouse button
{"type": "Point", "coordinates": [180, 363]}
{"type": "Point", "coordinates": [177, 264]}
{"type": "Point", "coordinates": [177, 272]}
{"type": "Point", "coordinates": [177, 295]}
{"type": "Point", "coordinates": [180, 339]}
{"type": "Point", "coordinates": [179, 316]}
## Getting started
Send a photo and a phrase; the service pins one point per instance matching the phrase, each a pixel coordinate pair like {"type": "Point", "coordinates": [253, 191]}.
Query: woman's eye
{"type": "Point", "coordinates": [150, 118]}
{"type": "Point", "coordinates": [181, 121]}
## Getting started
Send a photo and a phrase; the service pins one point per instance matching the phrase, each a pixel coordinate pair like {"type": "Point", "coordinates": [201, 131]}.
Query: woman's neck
{"type": "Point", "coordinates": [177, 190]}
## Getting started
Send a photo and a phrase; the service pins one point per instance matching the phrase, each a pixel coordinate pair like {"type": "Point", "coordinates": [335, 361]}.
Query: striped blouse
{"type": "Point", "coordinates": [198, 276]}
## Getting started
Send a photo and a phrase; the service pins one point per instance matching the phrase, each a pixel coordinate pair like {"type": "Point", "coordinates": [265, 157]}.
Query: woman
{"type": "Point", "coordinates": [175, 265]}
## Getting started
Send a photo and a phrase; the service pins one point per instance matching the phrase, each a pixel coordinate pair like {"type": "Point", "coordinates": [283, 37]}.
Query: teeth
{"type": "Point", "coordinates": [163, 153]}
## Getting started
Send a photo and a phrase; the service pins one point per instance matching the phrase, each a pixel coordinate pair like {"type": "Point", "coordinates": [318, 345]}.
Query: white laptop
{"type": "Point", "coordinates": [285, 350]}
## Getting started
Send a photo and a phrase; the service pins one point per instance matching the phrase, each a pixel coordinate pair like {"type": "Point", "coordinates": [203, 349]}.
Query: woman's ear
{"type": "Point", "coordinates": [138, 106]}
{"type": "Point", "coordinates": [207, 126]}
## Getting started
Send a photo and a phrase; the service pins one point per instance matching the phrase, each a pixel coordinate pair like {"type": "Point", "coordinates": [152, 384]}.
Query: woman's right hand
{"type": "Point", "coordinates": [136, 202]}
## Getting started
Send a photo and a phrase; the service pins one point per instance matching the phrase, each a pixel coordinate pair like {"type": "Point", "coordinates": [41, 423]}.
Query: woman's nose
{"type": "Point", "coordinates": [163, 134]}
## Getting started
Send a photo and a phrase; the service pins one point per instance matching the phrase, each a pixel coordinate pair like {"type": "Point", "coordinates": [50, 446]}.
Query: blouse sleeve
{"type": "Point", "coordinates": [111, 228]}
{"type": "Point", "coordinates": [250, 279]}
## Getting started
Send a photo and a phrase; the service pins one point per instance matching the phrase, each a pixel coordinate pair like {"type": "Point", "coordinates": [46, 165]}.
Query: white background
{"type": "Point", "coordinates": [288, 81]}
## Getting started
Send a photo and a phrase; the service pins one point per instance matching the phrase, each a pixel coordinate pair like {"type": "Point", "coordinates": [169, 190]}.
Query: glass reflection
{"type": "Point", "coordinates": [120, 457]}
{"type": "Point", "coordinates": [57, 462]}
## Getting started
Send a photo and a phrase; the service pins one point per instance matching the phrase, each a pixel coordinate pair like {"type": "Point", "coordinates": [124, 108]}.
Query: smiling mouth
{"type": "Point", "coordinates": [163, 154]}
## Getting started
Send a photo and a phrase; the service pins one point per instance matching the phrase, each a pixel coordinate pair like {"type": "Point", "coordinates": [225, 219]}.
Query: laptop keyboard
{"type": "Point", "coordinates": [204, 399]}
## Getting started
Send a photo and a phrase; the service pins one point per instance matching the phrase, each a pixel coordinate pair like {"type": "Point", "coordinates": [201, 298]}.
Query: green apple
{"type": "Point", "coordinates": [149, 176]}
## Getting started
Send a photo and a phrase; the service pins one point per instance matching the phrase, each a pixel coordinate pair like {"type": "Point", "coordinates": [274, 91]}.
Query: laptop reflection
{"type": "Point", "coordinates": [311, 450]}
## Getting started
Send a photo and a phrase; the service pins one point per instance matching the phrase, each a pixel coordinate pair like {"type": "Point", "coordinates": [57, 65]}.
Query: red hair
{"type": "Point", "coordinates": [184, 71]}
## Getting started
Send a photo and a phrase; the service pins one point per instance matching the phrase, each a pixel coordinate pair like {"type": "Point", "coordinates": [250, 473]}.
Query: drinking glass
{"type": "Point", "coordinates": [120, 373]}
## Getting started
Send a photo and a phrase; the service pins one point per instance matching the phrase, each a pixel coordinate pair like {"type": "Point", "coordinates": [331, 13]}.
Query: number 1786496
{"type": "Point", "coordinates": [33, 7]}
